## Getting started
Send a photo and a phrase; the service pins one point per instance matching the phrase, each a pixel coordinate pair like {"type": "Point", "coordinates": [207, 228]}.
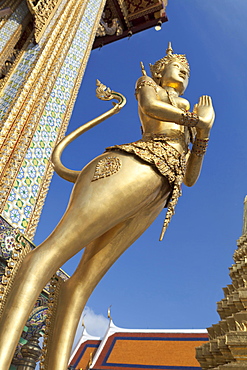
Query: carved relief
{"type": "Point", "coordinates": [139, 8]}
{"type": "Point", "coordinates": [104, 28]}
{"type": "Point", "coordinates": [43, 11]}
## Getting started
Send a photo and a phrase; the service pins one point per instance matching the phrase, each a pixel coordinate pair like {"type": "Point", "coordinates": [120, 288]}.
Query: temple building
{"type": "Point", "coordinates": [138, 349]}
{"type": "Point", "coordinates": [227, 347]}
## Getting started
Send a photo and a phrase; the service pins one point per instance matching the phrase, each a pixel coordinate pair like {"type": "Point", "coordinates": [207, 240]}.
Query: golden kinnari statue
{"type": "Point", "coordinates": [115, 199]}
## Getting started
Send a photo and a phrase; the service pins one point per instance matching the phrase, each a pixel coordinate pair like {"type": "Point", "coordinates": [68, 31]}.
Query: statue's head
{"type": "Point", "coordinates": [172, 70]}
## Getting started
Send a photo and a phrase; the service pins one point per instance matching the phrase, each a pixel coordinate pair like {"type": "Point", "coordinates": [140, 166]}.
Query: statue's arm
{"type": "Point", "coordinates": [202, 118]}
{"type": "Point", "coordinates": [206, 112]}
{"type": "Point", "coordinates": [151, 105]}
{"type": "Point", "coordinates": [193, 169]}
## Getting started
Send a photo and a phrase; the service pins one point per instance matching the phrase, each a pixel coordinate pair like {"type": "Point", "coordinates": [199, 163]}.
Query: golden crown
{"type": "Point", "coordinates": [159, 66]}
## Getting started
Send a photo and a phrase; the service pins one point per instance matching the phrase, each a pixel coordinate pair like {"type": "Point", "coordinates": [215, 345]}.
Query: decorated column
{"type": "Point", "coordinates": [49, 45]}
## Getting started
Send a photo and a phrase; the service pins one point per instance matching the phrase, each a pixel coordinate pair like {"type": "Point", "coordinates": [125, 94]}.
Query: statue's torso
{"type": "Point", "coordinates": [154, 126]}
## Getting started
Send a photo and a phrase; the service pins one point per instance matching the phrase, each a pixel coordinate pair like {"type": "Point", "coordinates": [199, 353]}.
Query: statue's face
{"type": "Point", "coordinates": [176, 76]}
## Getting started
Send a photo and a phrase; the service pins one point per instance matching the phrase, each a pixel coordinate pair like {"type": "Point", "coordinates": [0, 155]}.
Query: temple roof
{"type": "Point", "coordinates": [139, 349]}
{"type": "Point", "coordinates": [131, 17]}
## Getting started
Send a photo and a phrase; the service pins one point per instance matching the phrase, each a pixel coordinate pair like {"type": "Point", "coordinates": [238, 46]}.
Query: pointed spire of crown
{"type": "Point", "coordinates": [169, 50]}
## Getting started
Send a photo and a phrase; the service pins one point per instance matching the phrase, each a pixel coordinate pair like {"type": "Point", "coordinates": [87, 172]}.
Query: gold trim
{"type": "Point", "coordinates": [9, 47]}
{"type": "Point", "coordinates": [145, 11]}
{"type": "Point", "coordinates": [81, 71]}
{"type": "Point", "coordinates": [54, 290]}
{"type": "Point", "coordinates": [124, 11]}
{"type": "Point", "coordinates": [43, 12]}
{"type": "Point", "coordinates": [106, 167]}
{"type": "Point", "coordinates": [26, 86]}
{"type": "Point", "coordinates": [31, 228]}
{"type": "Point", "coordinates": [20, 250]}
{"type": "Point", "coordinates": [3, 81]}
{"type": "Point", "coordinates": [22, 136]}
{"type": "Point", "coordinates": [27, 117]}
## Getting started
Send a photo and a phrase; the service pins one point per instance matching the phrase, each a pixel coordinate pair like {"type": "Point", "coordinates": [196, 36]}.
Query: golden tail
{"type": "Point", "coordinates": [102, 93]}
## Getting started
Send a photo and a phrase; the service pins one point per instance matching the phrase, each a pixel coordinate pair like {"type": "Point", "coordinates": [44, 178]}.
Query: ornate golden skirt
{"type": "Point", "coordinates": [165, 159]}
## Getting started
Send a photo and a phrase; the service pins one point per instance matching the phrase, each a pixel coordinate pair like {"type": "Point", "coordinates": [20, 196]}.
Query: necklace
{"type": "Point", "coordinates": [171, 98]}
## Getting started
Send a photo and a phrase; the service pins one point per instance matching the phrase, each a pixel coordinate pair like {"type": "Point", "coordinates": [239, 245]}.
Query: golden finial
{"type": "Point", "coordinates": [109, 312]}
{"type": "Point", "coordinates": [83, 322]}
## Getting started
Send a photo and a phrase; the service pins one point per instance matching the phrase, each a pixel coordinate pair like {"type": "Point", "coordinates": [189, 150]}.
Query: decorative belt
{"type": "Point", "coordinates": [174, 136]}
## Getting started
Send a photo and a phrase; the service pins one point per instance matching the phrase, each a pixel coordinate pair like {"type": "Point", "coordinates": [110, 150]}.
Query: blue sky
{"type": "Point", "coordinates": [177, 282]}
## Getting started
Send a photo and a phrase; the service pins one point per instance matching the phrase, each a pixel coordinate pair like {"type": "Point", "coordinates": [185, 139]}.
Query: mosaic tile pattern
{"type": "Point", "coordinates": [6, 33]}
{"type": "Point", "coordinates": [18, 78]}
{"type": "Point", "coordinates": [24, 193]}
{"type": "Point", "coordinates": [12, 24]}
{"type": "Point", "coordinates": [26, 63]}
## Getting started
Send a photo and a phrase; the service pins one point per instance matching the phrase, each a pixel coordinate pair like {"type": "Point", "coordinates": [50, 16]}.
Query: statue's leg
{"type": "Point", "coordinates": [95, 207]}
{"type": "Point", "coordinates": [98, 257]}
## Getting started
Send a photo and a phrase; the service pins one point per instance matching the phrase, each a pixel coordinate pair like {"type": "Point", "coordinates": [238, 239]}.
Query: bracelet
{"type": "Point", "coordinates": [189, 119]}
{"type": "Point", "coordinates": [200, 147]}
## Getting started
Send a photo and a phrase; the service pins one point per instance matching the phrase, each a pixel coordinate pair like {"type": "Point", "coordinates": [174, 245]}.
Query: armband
{"type": "Point", "coordinates": [200, 146]}
{"type": "Point", "coordinates": [146, 83]}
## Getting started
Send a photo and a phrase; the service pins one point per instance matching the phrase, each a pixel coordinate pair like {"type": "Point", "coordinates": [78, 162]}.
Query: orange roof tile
{"type": "Point", "coordinates": [150, 351]}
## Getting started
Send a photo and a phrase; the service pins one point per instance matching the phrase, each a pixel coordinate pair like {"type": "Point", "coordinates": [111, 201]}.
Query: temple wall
{"type": "Point", "coordinates": [35, 106]}
{"type": "Point", "coordinates": [10, 29]}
